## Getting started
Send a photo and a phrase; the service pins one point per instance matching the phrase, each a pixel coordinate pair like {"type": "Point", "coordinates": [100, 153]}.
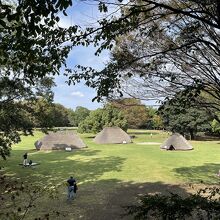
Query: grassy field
{"type": "Point", "coordinates": [110, 176]}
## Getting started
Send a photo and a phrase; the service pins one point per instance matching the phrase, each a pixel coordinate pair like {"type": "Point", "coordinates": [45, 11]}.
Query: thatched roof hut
{"type": "Point", "coordinates": [177, 142]}
{"type": "Point", "coordinates": [60, 140]}
{"type": "Point", "coordinates": [112, 135]}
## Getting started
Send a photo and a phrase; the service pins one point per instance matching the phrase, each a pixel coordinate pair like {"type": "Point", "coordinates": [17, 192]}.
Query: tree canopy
{"type": "Point", "coordinates": [160, 48]}
{"type": "Point", "coordinates": [79, 115]}
{"type": "Point", "coordinates": [109, 116]}
{"type": "Point", "coordinates": [32, 50]}
{"type": "Point", "coordinates": [187, 120]}
{"type": "Point", "coordinates": [134, 111]}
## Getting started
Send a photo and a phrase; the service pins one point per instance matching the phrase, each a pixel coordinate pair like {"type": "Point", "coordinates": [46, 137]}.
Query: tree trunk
{"type": "Point", "coordinates": [192, 136]}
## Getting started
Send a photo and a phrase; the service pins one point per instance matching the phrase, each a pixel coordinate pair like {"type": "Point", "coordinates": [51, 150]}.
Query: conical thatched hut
{"type": "Point", "coordinates": [176, 142]}
{"type": "Point", "coordinates": [60, 140]}
{"type": "Point", "coordinates": [112, 135]}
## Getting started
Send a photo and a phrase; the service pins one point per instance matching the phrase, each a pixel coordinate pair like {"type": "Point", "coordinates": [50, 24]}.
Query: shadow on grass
{"type": "Point", "coordinates": [90, 137]}
{"type": "Point", "coordinates": [57, 166]}
{"type": "Point", "coordinates": [207, 138]}
{"type": "Point", "coordinates": [96, 199]}
{"type": "Point", "coordinates": [111, 196]}
{"type": "Point", "coordinates": [103, 199]}
{"type": "Point", "coordinates": [200, 174]}
{"type": "Point", "coordinates": [142, 133]}
{"type": "Point", "coordinates": [106, 199]}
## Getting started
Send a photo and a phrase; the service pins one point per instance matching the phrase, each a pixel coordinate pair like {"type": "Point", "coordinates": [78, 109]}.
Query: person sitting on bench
{"type": "Point", "coordinates": [25, 161]}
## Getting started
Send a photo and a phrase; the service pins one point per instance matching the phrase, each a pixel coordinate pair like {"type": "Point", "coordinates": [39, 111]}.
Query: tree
{"type": "Point", "coordinates": [71, 117]}
{"type": "Point", "coordinates": [215, 127]}
{"type": "Point", "coordinates": [32, 50]}
{"type": "Point", "coordinates": [135, 113]}
{"type": "Point", "coordinates": [157, 122]}
{"type": "Point", "coordinates": [172, 39]}
{"type": "Point", "coordinates": [170, 46]}
{"type": "Point", "coordinates": [107, 117]}
{"type": "Point", "coordinates": [17, 115]}
{"type": "Point", "coordinates": [79, 115]}
{"type": "Point", "coordinates": [185, 120]}
{"type": "Point", "coordinates": [58, 116]}
{"type": "Point", "coordinates": [93, 123]}
{"type": "Point", "coordinates": [111, 116]}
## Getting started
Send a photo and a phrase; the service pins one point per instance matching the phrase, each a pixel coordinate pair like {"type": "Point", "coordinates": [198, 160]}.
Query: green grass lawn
{"type": "Point", "coordinates": [107, 172]}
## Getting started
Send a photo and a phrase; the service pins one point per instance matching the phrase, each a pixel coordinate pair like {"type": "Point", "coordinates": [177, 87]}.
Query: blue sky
{"type": "Point", "coordinates": [79, 95]}
{"type": "Point", "coordinates": [83, 13]}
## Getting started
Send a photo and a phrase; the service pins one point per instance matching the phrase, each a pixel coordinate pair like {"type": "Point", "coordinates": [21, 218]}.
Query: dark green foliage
{"type": "Point", "coordinates": [154, 121]}
{"type": "Point", "coordinates": [184, 119]}
{"type": "Point", "coordinates": [161, 47]}
{"type": "Point", "coordinates": [32, 50]}
{"type": "Point", "coordinates": [93, 123]}
{"type": "Point", "coordinates": [13, 119]}
{"type": "Point", "coordinates": [50, 114]}
{"type": "Point", "coordinates": [59, 116]}
{"type": "Point", "coordinates": [109, 116]}
{"type": "Point", "coordinates": [28, 47]}
{"type": "Point", "coordinates": [77, 116]}
{"type": "Point", "coordinates": [205, 204]}
{"type": "Point", "coordinates": [17, 115]}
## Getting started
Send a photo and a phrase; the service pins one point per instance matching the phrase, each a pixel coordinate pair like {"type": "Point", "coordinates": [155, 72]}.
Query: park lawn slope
{"type": "Point", "coordinates": [110, 175]}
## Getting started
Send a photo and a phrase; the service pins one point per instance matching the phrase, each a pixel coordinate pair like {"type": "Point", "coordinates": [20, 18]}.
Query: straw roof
{"type": "Point", "coordinates": [177, 141]}
{"type": "Point", "coordinates": [112, 135]}
{"type": "Point", "coordinates": [59, 141]}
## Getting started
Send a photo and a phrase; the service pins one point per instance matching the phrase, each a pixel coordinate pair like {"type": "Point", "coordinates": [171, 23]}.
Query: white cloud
{"type": "Point", "coordinates": [84, 14]}
{"type": "Point", "coordinates": [77, 93]}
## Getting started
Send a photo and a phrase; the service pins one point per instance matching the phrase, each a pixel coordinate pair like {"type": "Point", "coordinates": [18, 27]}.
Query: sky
{"type": "Point", "coordinates": [79, 95]}
{"type": "Point", "coordinates": [83, 13]}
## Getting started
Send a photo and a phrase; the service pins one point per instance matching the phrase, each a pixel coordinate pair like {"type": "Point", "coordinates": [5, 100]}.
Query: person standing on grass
{"type": "Point", "coordinates": [71, 188]}
{"type": "Point", "coordinates": [25, 161]}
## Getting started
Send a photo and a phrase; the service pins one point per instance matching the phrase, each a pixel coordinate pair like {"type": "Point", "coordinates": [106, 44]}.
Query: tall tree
{"type": "Point", "coordinates": [80, 114]}
{"type": "Point", "coordinates": [32, 50]}
{"type": "Point", "coordinates": [71, 117]}
{"type": "Point", "coordinates": [50, 114]}
{"type": "Point", "coordinates": [134, 111]}
{"type": "Point", "coordinates": [169, 46]}
{"type": "Point", "coordinates": [215, 127]}
{"type": "Point", "coordinates": [185, 120]}
{"type": "Point", "coordinates": [17, 113]}
{"type": "Point", "coordinates": [107, 117]}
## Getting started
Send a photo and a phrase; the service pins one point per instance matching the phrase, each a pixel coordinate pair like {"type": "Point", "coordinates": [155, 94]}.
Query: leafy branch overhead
{"type": "Point", "coordinates": [159, 47]}
{"type": "Point", "coordinates": [32, 49]}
